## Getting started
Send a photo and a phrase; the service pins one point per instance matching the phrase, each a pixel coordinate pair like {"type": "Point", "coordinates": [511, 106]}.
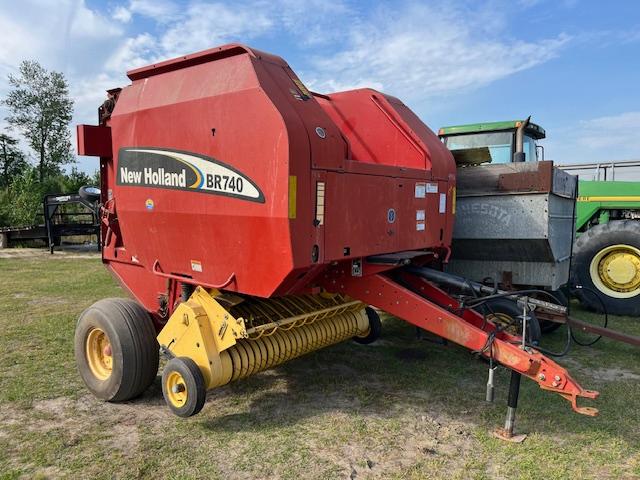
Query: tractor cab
{"type": "Point", "coordinates": [513, 211]}
{"type": "Point", "coordinates": [495, 142]}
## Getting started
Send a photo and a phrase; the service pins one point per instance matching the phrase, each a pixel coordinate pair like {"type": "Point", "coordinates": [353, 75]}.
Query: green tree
{"type": "Point", "coordinates": [21, 203]}
{"type": "Point", "coordinates": [12, 161]}
{"type": "Point", "coordinates": [75, 180]}
{"type": "Point", "coordinates": [40, 107]}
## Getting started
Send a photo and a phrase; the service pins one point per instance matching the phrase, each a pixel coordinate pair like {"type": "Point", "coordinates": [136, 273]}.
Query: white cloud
{"type": "Point", "coordinates": [613, 137]}
{"type": "Point", "coordinates": [132, 53]}
{"type": "Point", "coordinates": [122, 14]}
{"type": "Point", "coordinates": [207, 25]}
{"type": "Point", "coordinates": [83, 22]}
{"type": "Point", "coordinates": [159, 10]}
{"type": "Point", "coordinates": [315, 22]}
{"type": "Point", "coordinates": [421, 52]}
{"type": "Point", "coordinates": [612, 131]}
{"type": "Point", "coordinates": [16, 42]}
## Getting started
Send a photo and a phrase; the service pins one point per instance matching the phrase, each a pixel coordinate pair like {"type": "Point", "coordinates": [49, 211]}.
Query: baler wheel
{"type": "Point", "coordinates": [503, 311]}
{"type": "Point", "coordinates": [375, 328]}
{"type": "Point", "coordinates": [116, 349]}
{"type": "Point", "coordinates": [183, 386]}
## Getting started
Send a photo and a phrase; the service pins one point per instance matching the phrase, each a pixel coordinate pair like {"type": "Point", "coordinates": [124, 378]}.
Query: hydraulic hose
{"type": "Point", "coordinates": [467, 285]}
{"type": "Point", "coordinates": [475, 288]}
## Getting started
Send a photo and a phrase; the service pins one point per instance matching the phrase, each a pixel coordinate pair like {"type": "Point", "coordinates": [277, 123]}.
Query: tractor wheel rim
{"type": "Point", "coordinates": [505, 321]}
{"type": "Point", "coordinates": [99, 354]}
{"type": "Point", "coordinates": [176, 389]}
{"type": "Point", "coordinates": [615, 271]}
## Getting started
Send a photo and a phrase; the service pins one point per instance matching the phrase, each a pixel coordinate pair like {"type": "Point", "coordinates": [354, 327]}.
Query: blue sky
{"type": "Point", "coordinates": [573, 65]}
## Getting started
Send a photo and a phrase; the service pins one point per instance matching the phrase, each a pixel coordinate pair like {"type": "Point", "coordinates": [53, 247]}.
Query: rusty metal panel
{"type": "Point", "coordinates": [524, 177]}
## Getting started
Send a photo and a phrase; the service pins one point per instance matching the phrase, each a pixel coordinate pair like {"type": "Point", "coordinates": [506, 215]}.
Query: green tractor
{"type": "Point", "coordinates": [606, 253]}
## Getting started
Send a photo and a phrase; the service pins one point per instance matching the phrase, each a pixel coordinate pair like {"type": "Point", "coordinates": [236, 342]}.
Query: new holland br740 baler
{"type": "Point", "coordinates": [254, 221]}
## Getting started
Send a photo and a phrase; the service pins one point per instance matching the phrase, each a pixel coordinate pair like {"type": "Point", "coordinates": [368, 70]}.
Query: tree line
{"type": "Point", "coordinates": [39, 113]}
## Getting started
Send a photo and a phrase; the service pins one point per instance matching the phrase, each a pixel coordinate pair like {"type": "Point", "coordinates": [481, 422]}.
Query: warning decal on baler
{"type": "Point", "coordinates": [180, 170]}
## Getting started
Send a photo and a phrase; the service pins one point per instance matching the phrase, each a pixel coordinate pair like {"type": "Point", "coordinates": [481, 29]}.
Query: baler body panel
{"type": "Point", "coordinates": [388, 182]}
{"type": "Point", "coordinates": [362, 226]}
{"type": "Point", "coordinates": [382, 130]}
{"type": "Point", "coordinates": [187, 231]}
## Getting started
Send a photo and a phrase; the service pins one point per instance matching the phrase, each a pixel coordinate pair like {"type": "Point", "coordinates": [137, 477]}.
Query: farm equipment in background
{"type": "Point", "coordinates": [63, 215]}
{"type": "Point", "coordinates": [254, 221]}
{"type": "Point", "coordinates": [606, 252]}
{"type": "Point", "coordinates": [514, 218]}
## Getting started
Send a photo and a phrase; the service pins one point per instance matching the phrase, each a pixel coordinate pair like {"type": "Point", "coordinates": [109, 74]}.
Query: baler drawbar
{"type": "Point", "coordinates": [254, 221]}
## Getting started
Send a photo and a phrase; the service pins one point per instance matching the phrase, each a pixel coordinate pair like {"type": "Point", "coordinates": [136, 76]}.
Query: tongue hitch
{"type": "Point", "coordinates": [410, 297]}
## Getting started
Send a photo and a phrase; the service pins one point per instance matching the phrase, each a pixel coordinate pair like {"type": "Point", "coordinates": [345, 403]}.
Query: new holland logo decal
{"type": "Point", "coordinates": [179, 170]}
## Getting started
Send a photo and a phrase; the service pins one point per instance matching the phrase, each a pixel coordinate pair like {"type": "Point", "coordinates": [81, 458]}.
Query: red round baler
{"type": "Point", "coordinates": [254, 221]}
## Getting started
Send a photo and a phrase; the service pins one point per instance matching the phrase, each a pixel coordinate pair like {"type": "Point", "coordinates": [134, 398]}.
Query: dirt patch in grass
{"type": "Point", "coordinates": [611, 373]}
{"type": "Point", "coordinates": [614, 374]}
{"type": "Point", "coordinates": [426, 439]}
{"type": "Point", "coordinates": [363, 446]}
{"type": "Point", "coordinates": [48, 301]}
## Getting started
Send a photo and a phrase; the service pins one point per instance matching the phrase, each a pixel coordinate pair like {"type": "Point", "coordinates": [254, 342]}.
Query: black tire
{"type": "Point", "coordinates": [588, 246]}
{"type": "Point", "coordinates": [189, 401]}
{"type": "Point", "coordinates": [513, 311]}
{"type": "Point", "coordinates": [375, 328]}
{"type": "Point", "coordinates": [89, 193]}
{"type": "Point", "coordinates": [545, 325]}
{"type": "Point", "coordinates": [132, 343]}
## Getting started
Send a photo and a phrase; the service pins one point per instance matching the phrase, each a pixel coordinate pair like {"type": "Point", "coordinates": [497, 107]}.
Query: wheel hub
{"type": "Point", "coordinates": [176, 389]}
{"type": "Point", "coordinates": [615, 271]}
{"type": "Point", "coordinates": [99, 354]}
{"type": "Point", "coordinates": [505, 321]}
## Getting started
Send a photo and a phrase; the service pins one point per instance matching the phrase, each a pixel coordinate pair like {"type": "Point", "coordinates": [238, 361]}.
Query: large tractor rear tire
{"type": "Point", "coordinates": [606, 263]}
{"type": "Point", "coordinates": [116, 349]}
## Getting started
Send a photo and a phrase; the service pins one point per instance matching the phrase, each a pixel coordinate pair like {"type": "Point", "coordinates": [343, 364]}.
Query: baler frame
{"type": "Point", "coordinates": [426, 306]}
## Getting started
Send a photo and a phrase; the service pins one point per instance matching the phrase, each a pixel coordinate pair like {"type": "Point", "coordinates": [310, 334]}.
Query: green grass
{"type": "Point", "coordinates": [404, 408]}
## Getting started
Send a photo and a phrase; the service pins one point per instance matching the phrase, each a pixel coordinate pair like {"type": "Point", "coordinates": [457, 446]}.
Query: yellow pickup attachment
{"type": "Point", "coordinates": [201, 329]}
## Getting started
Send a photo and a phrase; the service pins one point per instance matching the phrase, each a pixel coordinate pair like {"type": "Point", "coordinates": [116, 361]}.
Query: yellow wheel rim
{"type": "Point", "coordinates": [615, 271]}
{"type": "Point", "coordinates": [99, 354]}
{"type": "Point", "coordinates": [504, 320]}
{"type": "Point", "coordinates": [176, 389]}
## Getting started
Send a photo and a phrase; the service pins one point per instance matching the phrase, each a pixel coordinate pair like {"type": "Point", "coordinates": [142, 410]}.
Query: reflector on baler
{"type": "Point", "coordinates": [255, 220]}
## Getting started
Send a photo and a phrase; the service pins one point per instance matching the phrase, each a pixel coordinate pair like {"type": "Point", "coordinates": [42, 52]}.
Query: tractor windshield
{"type": "Point", "coordinates": [500, 146]}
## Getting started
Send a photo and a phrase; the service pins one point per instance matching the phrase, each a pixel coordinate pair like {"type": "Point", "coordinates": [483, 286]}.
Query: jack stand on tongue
{"type": "Point", "coordinates": [506, 433]}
